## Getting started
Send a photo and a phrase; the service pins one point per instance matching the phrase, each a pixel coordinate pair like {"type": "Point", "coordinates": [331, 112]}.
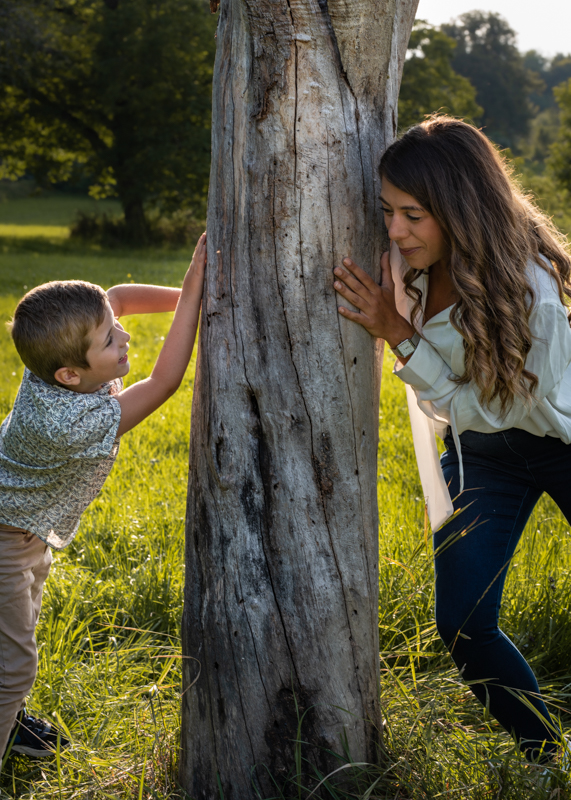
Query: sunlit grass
{"type": "Point", "coordinates": [33, 231]}
{"type": "Point", "coordinates": [109, 634]}
{"type": "Point", "coordinates": [18, 207]}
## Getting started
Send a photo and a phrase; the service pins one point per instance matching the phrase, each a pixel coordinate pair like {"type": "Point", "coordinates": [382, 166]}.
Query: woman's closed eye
{"type": "Point", "coordinates": [389, 213]}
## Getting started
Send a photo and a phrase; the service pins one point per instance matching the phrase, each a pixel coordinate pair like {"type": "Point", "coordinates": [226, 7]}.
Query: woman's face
{"type": "Point", "coordinates": [416, 232]}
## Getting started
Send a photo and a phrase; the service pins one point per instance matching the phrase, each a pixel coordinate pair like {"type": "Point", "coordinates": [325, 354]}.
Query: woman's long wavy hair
{"type": "Point", "coordinates": [492, 230]}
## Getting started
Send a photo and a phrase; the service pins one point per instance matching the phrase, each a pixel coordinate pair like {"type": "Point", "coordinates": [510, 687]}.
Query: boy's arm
{"type": "Point", "coordinates": [144, 397]}
{"type": "Point", "coordinates": [141, 298]}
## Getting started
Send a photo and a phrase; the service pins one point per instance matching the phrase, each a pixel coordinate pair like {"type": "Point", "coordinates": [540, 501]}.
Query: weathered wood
{"type": "Point", "coordinates": [281, 593]}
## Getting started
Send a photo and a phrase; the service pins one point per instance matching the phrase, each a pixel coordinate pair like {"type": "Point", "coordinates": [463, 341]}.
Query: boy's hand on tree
{"type": "Point", "coordinates": [376, 303]}
{"type": "Point", "coordinates": [197, 265]}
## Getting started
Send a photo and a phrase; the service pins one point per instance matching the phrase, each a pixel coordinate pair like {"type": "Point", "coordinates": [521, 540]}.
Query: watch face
{"type": "Point", "coordinates": [405, 349]}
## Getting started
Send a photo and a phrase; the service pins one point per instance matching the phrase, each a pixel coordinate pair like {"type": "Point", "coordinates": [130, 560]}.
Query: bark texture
{"type": "Point", "coordinates": [281, 597]}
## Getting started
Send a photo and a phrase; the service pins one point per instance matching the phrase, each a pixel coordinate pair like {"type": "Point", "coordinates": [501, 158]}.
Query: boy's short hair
{"type": "Point", "coordinates": [52, 323]}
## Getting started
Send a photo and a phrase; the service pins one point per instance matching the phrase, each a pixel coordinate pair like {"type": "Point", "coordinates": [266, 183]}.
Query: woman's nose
{"type": "Point", "coordinates": [397, 230]}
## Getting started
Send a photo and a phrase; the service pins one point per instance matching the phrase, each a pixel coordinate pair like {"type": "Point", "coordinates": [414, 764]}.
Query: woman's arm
{"type": "Point", "coordinates": [142, 298]}
{"type": "Point", "coordinates": [427, 372]}
{"type": "Point", "coordinates": [548, 359]}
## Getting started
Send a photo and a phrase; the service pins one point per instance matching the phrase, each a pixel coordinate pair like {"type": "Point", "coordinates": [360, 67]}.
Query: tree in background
{"type": "Point", "coordinates": [549, 74]}
{"type": "Point", "coordinates": [560, 158]}
{"type": "Point", "coordinates": [121, 87]}
{"type": "Point", "coordinates": [429, 81]}
{"type": "Point", "coordinates": [487, 55]}
{"type": "Point", "coordinates": [544, 127]}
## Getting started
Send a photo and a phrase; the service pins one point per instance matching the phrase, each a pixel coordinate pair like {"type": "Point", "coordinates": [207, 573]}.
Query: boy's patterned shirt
{"type": "Point", "coordinates": [56, 449]}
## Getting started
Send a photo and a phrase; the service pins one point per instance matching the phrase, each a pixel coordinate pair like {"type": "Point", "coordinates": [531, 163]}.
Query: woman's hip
{"type": "Point", "coordinates": [508, 461]}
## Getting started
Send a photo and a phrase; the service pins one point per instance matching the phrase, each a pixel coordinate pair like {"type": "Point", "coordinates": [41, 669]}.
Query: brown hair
{"type": "Point", "coordinates": [493, 230]}
{"type": "Point", "coordinates": [52, 323]}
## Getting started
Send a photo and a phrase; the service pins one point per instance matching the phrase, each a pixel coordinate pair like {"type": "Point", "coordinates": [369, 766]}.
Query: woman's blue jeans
{"type": "Point", "coordinates": [505, 474]}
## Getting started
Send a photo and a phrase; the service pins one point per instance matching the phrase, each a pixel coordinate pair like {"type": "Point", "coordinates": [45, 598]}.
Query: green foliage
{"type": "Point", "coordinates": [543, 131]}
{"type": "Point", "coordinates": [560, 158]}
{"type": "Point", "coordinates": [551, 196]}
{"type": "Point", "coordinates": [122, 89]}
{"type": "Point", "coordinates": [178, 229]}
{"type": "Point", "coordinates": [429, 83]}
{"type": "Point", "coordinates": [550, 73]}
{"type": "Point", "coordinates": [544, 167]}
{"type": "Point", "coordinates": [487, 55]}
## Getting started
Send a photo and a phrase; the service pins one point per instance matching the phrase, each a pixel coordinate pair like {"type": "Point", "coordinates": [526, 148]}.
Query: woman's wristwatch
{"type": "Point", "coordinates": [407, 347]}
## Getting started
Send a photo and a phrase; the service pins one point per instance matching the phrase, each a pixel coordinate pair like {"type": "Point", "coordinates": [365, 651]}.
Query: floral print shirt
{"type": "Point", "coordinates": [56, 449]}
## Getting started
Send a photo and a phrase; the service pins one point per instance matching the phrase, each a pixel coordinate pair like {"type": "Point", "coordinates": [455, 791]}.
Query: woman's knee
{"type": "Point", "coordinates": [448, 624]}
{"type": "Point", "coordinates": [454, 621]}
{"type": "Point", "coordinates": [466, 628]}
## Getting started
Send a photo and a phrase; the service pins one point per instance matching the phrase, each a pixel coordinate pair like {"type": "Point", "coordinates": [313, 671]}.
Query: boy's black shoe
{"type": "Point", "coordinates": [35, 737]}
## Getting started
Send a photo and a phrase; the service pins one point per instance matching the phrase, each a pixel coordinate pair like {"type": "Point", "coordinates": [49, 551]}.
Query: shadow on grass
{"type": "Point", "coordinates": [69, 245]}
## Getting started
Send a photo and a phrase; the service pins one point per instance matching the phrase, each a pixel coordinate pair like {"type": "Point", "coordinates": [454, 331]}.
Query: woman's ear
{"type": "Point", "coordinates": [66, 376]}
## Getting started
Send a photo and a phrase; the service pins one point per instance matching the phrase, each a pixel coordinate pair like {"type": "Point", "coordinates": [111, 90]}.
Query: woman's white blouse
{"type": "Point", "coordinates": [439, 358]}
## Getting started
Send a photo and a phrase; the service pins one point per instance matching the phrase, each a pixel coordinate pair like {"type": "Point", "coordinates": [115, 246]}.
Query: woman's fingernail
{"type": "Point", "coordinates": [337, 285]}
{"type": "Point", "coordinates": [338, 271]}
{"type": "Point", "coordinates": [347, 261]}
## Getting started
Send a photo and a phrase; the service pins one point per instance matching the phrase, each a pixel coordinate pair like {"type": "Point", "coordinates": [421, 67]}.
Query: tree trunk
{"type": "Point", "coordinates": [281, 599]}
{"type": "Point", "coordinates": [135, 221]}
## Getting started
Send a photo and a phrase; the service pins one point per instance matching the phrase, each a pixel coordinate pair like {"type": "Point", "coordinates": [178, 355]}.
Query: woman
{"type": "Point", "coordinates": [488, 351]}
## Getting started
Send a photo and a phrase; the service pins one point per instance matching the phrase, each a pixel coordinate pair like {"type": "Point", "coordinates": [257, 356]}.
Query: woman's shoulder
{"type": "Point", "coordinates": [543, 283]}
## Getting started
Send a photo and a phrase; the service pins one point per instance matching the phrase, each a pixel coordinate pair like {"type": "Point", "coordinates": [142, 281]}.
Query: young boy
{"type": "Point", "coordinates": [59, 443]}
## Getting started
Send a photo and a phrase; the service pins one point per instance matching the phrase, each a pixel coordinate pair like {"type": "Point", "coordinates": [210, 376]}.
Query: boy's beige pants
{"type": "Point", "coordinates": [24, 566]}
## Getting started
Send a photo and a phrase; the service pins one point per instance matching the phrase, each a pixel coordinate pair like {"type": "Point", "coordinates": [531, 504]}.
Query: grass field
{"type": "Point", "coordinates": [25, 214]}
{"type": "Point", "coordinates": [109, 632]}
{"type": "Point", "coordinates": [45, 216]}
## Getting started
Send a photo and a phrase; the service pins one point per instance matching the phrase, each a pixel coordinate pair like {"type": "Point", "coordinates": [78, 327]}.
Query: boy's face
{"type": "Point", "coordinates": [107, 357]}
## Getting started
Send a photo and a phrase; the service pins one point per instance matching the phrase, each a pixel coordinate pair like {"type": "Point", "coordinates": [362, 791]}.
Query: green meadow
{"type": "Point", "coordinates": [109, 635]}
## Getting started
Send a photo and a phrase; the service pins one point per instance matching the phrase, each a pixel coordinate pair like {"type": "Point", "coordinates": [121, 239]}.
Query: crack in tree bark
{"type": "Point", "coordinates": [333, 250]}
{"type": "Point", "coordinates": [269, 571]}
{"type": "Point", "coordinates": [245, 714]}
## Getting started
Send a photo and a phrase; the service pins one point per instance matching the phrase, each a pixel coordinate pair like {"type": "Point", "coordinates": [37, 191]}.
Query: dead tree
{"type": "Point", "coordinates": [281, 598]}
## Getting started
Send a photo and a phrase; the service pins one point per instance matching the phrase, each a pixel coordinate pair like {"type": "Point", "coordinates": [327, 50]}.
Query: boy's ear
{"type": "Point", "coordinates": [67, 376]}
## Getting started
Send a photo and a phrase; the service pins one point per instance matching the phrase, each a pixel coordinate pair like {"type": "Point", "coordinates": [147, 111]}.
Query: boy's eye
{"type": "Point", "coordinates": [109, 341]}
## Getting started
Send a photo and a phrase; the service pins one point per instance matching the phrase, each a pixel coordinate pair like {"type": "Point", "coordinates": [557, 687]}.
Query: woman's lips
{"type": "Point", "coordinates": [408, 252]}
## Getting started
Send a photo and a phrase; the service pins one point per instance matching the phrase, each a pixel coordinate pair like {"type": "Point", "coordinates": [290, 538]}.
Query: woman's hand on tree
{"type": "Point", "coordinates": [376, 303]}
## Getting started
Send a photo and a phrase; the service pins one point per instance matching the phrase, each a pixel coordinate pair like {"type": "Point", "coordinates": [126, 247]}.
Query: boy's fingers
{"type": "Point", "coordinates": [201, 244]}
